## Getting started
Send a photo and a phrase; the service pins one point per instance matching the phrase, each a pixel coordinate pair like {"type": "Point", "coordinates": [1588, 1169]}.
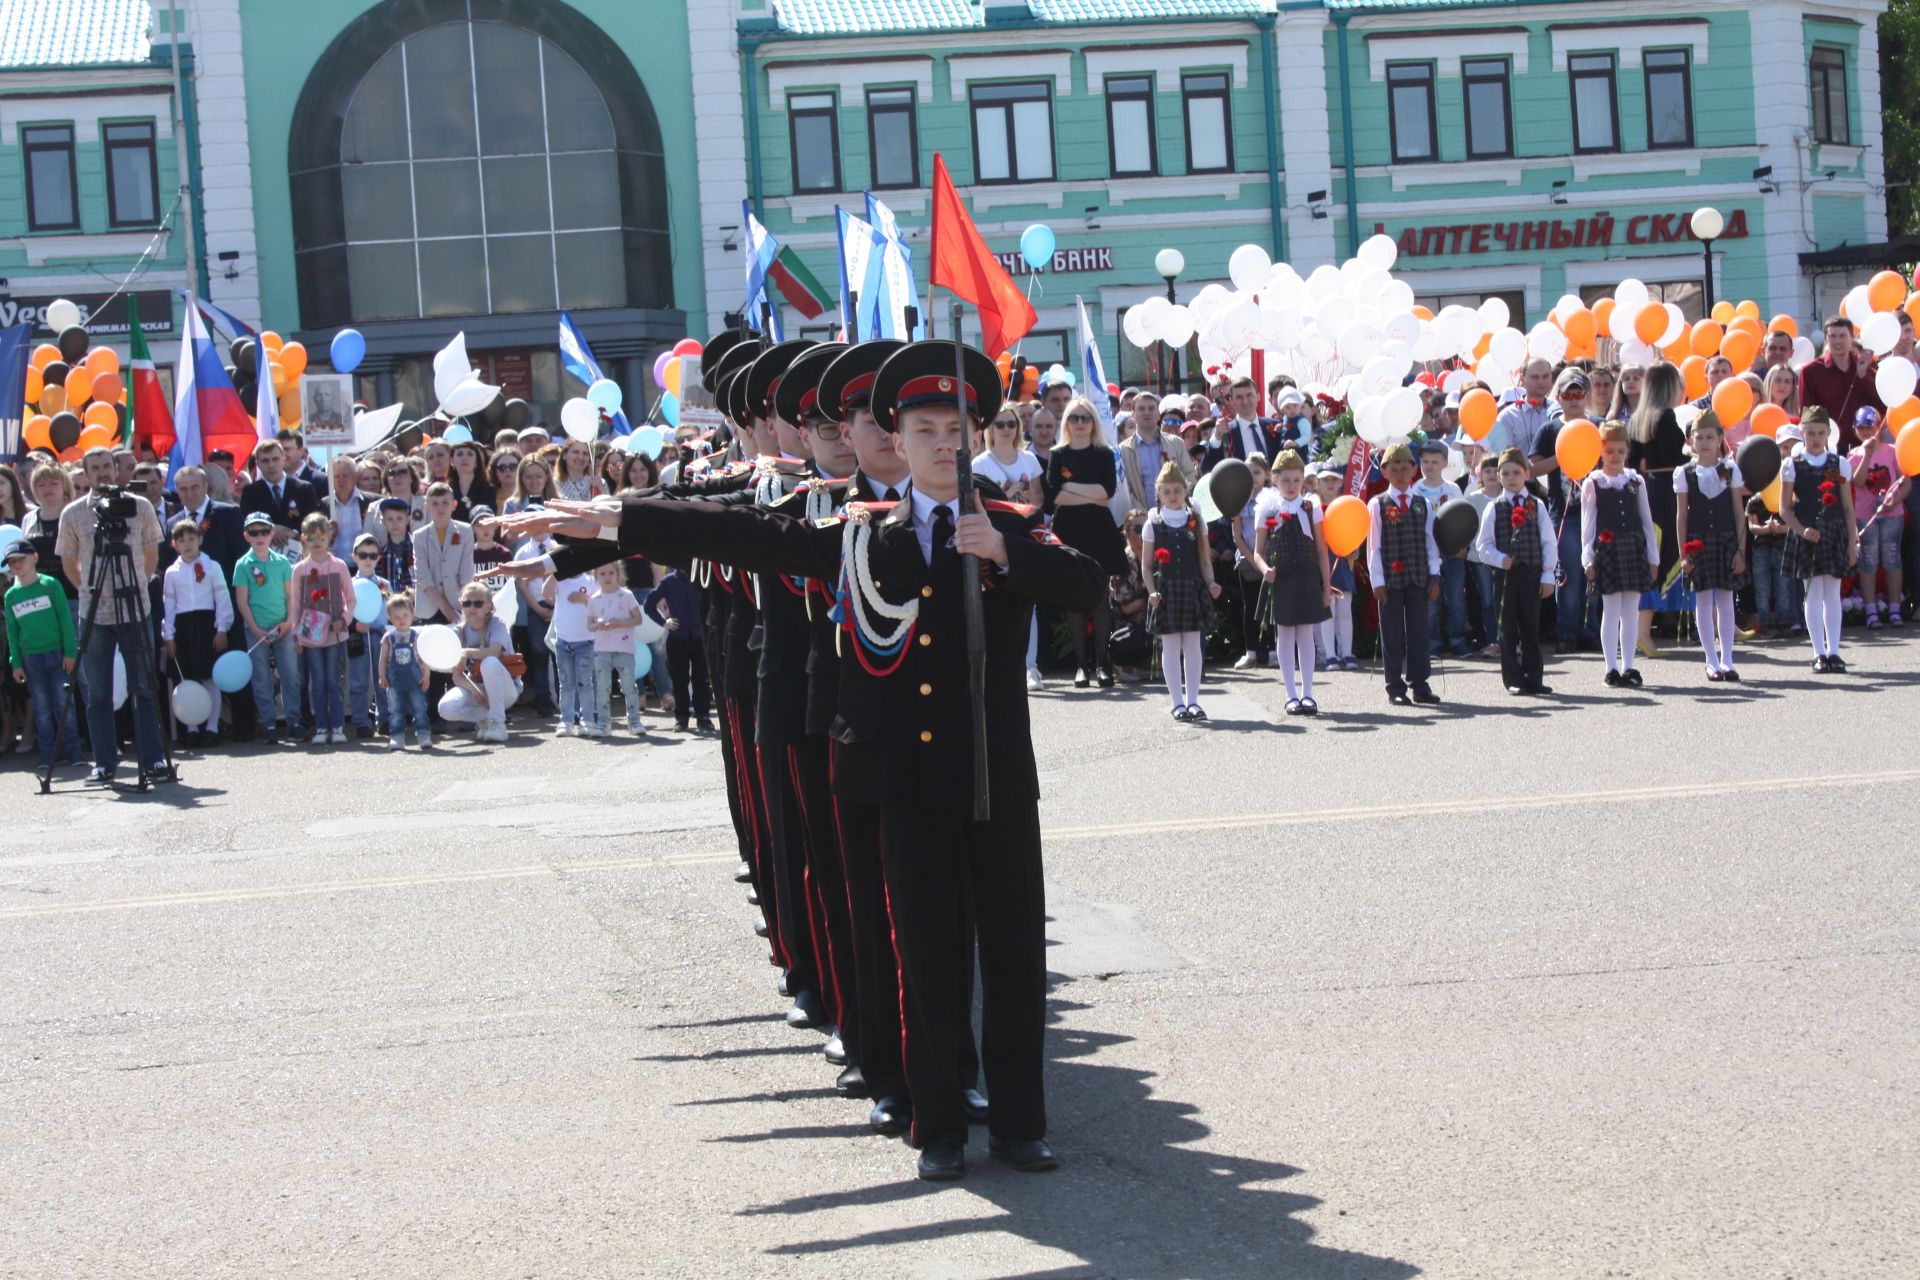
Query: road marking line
{"type": "Point", "coordinates": [215, 897]}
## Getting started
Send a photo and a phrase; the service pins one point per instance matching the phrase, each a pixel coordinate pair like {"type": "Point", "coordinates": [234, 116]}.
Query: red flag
{"type": "Point", "coordinates": [963, 264]}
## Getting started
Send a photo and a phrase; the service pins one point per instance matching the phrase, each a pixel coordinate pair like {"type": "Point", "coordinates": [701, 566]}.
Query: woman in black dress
{"type": "Point", "coordinates": [1656, 446]}
{"type": "Point", "coordinates": [1079, 487]}
{"type": "Point", "coordinates": [471, 488]}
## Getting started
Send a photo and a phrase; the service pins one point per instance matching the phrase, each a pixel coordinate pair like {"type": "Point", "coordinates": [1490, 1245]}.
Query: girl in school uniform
{"type": "Point", "coordinates": [1178, 571]}
{"type": "Point", "coordinates": [1618, 549]}
{"type": "Point", "coordinates": [1708, 515]}
{"type": "Point", "coordinates": [1291, 553]}
{"type": "Point", "coordinates": [1823, 539]}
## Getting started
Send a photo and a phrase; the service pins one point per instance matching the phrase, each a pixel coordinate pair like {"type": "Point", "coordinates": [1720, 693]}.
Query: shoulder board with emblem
{"type": "Point", "coordinates": [1045, 536]}
{"type": "Point", "coordinates": [1025, 510]}
{"type": "Point", "coordinates": [790, 502]}
{"type": "Point", "coordinates": [872, 508]}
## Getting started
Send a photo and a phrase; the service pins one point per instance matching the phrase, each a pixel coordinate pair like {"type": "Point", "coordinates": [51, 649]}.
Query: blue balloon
{"type": "Point", "coordinates": [366, 600]}
{"type": "Point", "coordinates": [670, 408]}
{"type": "Point", "coordinates": [648, 440]}
{"type": "Point", "coordinates": [606, 394]}
{"type": "Point", "coordinates": [458, 433]}
{"type": "Point", "coordinates": [642, 660]}
{"type": "Point", "coordinates": [232, 671]}
{"type": "Point", "coordinates": [1036, 245]}
{"type": "Point", "coordinates": [348, 350]}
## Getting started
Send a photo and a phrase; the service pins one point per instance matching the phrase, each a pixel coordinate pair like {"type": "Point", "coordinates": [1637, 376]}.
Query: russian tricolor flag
{"type": "Point", "coordinates": [207, 412]}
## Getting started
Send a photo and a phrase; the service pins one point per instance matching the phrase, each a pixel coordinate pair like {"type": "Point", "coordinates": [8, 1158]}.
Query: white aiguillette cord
{"type": "Point", "coordinates": [863, 596]}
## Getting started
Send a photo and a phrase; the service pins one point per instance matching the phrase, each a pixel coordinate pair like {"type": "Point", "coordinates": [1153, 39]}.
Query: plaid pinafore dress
{"type": "Point", "coordinates": [1184, 602]}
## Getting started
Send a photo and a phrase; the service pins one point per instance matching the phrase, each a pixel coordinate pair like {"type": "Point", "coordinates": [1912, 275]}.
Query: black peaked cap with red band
{"type": "Point", "coordinates": [799, 389]}
{"type": "Point", "coordinates": [729, 368]}
{"type": "Point", "coordinates": [847, 384]}
{"type": "Point", "coordinates": [735, 388]}
{"type": "Point", "coordinates": [923, 373]}
{"type": "Point", "coordinates": [764, 374]}
{"type": "Point", "coordinates": [715, 351]}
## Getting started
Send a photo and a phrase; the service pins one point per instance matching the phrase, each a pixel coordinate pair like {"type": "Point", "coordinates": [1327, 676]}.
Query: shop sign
{"type": "Point", "coordinates": [1600, 231]}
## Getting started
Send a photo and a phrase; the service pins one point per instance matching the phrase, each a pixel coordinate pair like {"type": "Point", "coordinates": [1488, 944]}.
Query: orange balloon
{"type": "Point", "coordinates": [1481, 347]}
{"type": "Point", "coordinates": [1747, 309]}
{"type": "Point", "coordinates": [107, 388]}
{"type": "Point", "coordinates": [1677, 350]}
{"type": "Point", "coordinates": [1746, 324]}
{"type": "Point", "coordinates": [53, 400]}
{"type": "Point", "coordinates": [100, 414]}
{"type": "Point", "coordinates": [1651, 324]}
{"type": "Point", "coordinates": [1478, 409]}
{"type": "Point", "coordinates": [1346, 525]}
{"type": "Point", "coordinates": [1704, 338]}
{"type": "Point", "coordinates": [1768, 419]}
{"type": "Point", "coordinates": [1581, 328]}
{"type": "Point", "coordinates": [293, 358]}
{"type": "Point", "coordinates": [1693, 371]}
{"type": "Point", "coordinates": [95, 436]}
{"type": "Point", "coordinates": [1913, 308]}
{"type": "Point", "coordinates": [103, 360]}
{"type": "Point", "coordinates": [1886, 291]}
{"type": "Point", "coordinates": [79, 384]}
{"type": "Point", "coordinates": [1771, 496]}
{"type": "Point", "coordinates": [1603, 317]}
{"type": "Point", "coordinates": [279, 375]}
{"type": "Point", "coordinates": [290, 406]}
{"type": "Point", "coordinates": [1906, 449]}
{"type": "Point", "coordinates": [271, 340]}
{"type": "Point", "coordinates": [1901, 414]}
{"type": "Point", "coordinates": [1740, 347]}
{"type": "Point", "coordinates": [1583, 350]}
{"type": "Point", "coordinates": [1732, 401]}
{"type": "Point", "coordinates": [44, 354]}
{"type": "Point", "coordinates": [1722, 311]}
{"type": "Point", "coordinates": [35, 385]}
{"type": "Point", "coordinates": [1424, 313]}
{"type": "Point", "coordinates": [1784, 323]}
{"type": "Point", "coordinates": [1577, 448]}
{"type": "Point", "coordinates": [39, 432]}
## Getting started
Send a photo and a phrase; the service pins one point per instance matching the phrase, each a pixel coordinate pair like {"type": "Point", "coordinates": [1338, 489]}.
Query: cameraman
{"type": "Point", "coordinates": [117, 626]}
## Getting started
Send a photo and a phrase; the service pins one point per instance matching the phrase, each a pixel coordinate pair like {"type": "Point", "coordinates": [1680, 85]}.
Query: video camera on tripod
{"type": "Point", "coordinates": [113, 510]}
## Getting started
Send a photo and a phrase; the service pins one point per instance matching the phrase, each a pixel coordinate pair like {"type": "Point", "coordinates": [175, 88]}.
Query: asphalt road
{"type": "Point", "coordinates": [1616, 984]}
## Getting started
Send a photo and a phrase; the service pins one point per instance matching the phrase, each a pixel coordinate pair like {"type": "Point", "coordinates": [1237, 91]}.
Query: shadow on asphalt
{"type": "Point", "coordinates": [1134, 1195]}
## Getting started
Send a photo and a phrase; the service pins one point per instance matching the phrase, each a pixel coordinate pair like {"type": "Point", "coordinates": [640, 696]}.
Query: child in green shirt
{"type": "Point", "coordinates": [41, 650]}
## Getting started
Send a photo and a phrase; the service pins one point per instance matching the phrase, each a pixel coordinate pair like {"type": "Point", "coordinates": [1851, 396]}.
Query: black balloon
{"type": "Point", "coordinates": [73, 344]}
{"type": "Point", "coordinates": [55, 373]}
{"type": "Point", "coordinates": [246, 356]}
{"type": "Point", "coordinates": [244, 387]}
{"type": "Point", "coordinates": [65, 431]}
{"type": "Point", "coordinates": [494, 415]}
{"type": "Point", "coordinates": [1758, 458]}
{"type": "Point", "coordinates": [1454, 528]}
{"type": "Point", "coordinates": [519, 414]}
{"type": "Point", "coordinates": [1231, 484]}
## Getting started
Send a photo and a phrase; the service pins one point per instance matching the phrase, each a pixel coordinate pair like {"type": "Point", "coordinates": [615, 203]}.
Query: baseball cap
{"type": "Point", "coordinates": [396, 504]}
{"type": "Point", "coordinates": [256, 518]}
{"type": "Point", "coordinates": [16, 549]}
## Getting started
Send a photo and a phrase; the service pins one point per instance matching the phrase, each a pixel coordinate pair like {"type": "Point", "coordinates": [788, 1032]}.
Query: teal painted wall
{"type": "Point", "coordinates": [283, 41]}
{"type": "Point", "coordinates": [91, 171]}
{"type": "Point", "coordinates": [1839, 220]}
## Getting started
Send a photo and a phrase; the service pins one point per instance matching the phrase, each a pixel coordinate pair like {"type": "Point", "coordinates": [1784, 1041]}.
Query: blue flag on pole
{"type": "Point", "coordinates": [16, 351]}
{"type": "Point", "coordinates": [890, 276]}
{"type": "Point", "coordinates": [577, 356]}
{"type": "Point", "coordinates": [762, 249]}
{"type": "Point", "coordinates": [856, 248]}
{"type": "Point", "coordinates": [1093, 375]}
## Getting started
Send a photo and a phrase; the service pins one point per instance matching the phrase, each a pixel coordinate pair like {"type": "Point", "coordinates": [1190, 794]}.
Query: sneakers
{"type": "Point", "coordinates": [1894, 619]}
{"type": "Point", "coordinates": [99, 777]}
{"type": "Point", "coordinates": [1247, 661]}
{"type": "Point", "coordinates": [1034, 682]}
{"type": "Point", "coordinates": [395, 743]}
{"type": "Point", "coordinates": [425, 739]}
{"type": "Point", "coordinates": [492, 731]}
{"type": "Point", "coordinates": [338, 737]}
{"type": "Point", "coordinates": [633, 727]}
{"type": "Point", "coordinates": [592, 731]}
{"type": "Point", "coordinates": [563, 730]}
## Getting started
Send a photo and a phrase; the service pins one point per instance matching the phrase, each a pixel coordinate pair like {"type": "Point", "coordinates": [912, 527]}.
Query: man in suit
{"type": "Point", "coordinates": [221, 538]}
{"type": "Point", "coordinates": [300, 463]}
{"type": "Point", "coordinates": [1243, 432]}
{"type": "Point", "coordinates": [286, 498]}
{"type": "Point", "coordinates": [1143, 453]}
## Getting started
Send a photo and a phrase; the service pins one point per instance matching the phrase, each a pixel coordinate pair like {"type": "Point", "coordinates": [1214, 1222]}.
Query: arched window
{"type": "Point", "coordinates": [472, 165]}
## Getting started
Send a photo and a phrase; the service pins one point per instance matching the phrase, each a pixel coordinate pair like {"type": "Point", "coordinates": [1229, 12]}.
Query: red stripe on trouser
{"type": "Point", "coordinates": [823, 954]}
{"type": "Point", "coordinates": [750, 783]}
{"type": "Point", "coordinates": [900, 972]}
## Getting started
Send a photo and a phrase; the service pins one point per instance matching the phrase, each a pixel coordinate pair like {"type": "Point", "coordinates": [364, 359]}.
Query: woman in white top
{"type": "Point", "coordinates": [1016, 471]}
{"type": "Point", "coordinates": [483, 688]}
{"type": "Point", "coordinates": [573, 473]}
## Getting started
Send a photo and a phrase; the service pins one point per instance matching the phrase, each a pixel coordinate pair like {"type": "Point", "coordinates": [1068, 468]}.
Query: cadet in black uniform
{"type": "Point", "coordinates": [904, 730]}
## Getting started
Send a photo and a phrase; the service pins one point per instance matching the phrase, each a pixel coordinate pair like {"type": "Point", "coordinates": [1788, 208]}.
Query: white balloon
{"type": "Point", "coordinates": [1400, 411]}
{"type": "Point", "coordinates": [1856, 306]}
{"type": "Point", "coordinates": [1495, 314]}
{"type": "Point", "coordinates": [1396, 297]}
{"type": "Point", "coordinates": [1203, 500]}
{"type": "Point", "coordinates": [439, 646]}
{"type": "Point", "coordinates": [1895, 379]}
{"type": "Point", "coordinates": [1403, 326]}
{"type": "Point", "coordinates": [1280, 327]}
{"type": "Point", "coordinates": [1284, 288]}
{"type": "Point", "coordinates": [1333, 315]}
{"type": "Point", "coordinates": [1315, 347]}
{"type": "Point", "coordinates": [1630, 293]}
{"type": "Point", "coordinates": [1380, 375]}
{"type": "Point", "coordinates": [451, 367]}
{"type": "Point", "coordinates": [1621, 323]}
{"type": "Point", "coordinates": [1545, 342]}
{"type": "Point", "coordinates": [1459, 328]}
{"type": "Point", "coordinates": [1634, 351]}
{"type": "Point", "coordinates": [191, 703]}
{"type": "Point", "coordinates": [1880, 333]}
{"type": "Point", "coordinates": [1508, 347]}
{"type": "Point", "coordinates": [1325, 281]}
{"type": "Point", "coordinates": [1240, 326]}
{"type": "Point", "coordinates": [1456, 465]}
{"type": "Point", "coordinates": [1457, 381]}
{"type": "Point", "coordinates": [648, 630]}
{"type": "Point", "coordinates": [1685, 415]}
{"type": "Point", "coordinates": [1359, 343]}
{"type": "Point", "coordinates": [1379, 251]}
{"type": "Point", "coordinates": [62, 314]}
{"type": "Point", "coordinates": [1566, 306]}
{"type": "Point", "coordinates": [580, 420]}
{"type": "Point", "coordinates": [506, 603]}
{"type": "Point", "coordinates": [1803, 352]}
{"type": "Point", "coordinates": [1496, 378]}
{"type": "Point", "coordinates": [1367, 422]}
{"type": "Point", "coordinates": [1676, 325]}
{"type": "Point", "coordinates": [119, 680]}
{"type": "Point", "coordinates": [1429, 346]}
{"type": "Point", "coordinates": [1176, 327]}
{"type": "Point", "coordinates": [470, 396]}
{"type": "Point", "coordinates": [1134, 325]}
{"type": "Point", "coordinates": [1248, 267]}
{"type": "Point", "coordinates": [1399, 350]}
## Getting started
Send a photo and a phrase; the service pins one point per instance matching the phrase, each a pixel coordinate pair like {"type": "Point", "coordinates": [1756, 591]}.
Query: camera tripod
{"type": "Point", "coordinates": [113, 579]}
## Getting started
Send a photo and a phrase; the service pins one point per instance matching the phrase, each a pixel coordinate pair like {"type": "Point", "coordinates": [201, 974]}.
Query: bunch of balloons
{"type": "Point", "coordinates": [273, 358]}
{"type": "Point", "coordinates": [75, 397]}
{"type": "Point", "coordinates": [670, 373]}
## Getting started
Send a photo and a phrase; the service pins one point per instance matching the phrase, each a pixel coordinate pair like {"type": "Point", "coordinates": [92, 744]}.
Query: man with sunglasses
{"type": "Point", "coordinates": [1518, 424]}
{"type": "Point", "coordinates": [1576, 625]}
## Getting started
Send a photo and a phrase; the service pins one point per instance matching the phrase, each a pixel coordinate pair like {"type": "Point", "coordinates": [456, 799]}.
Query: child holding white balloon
{"type": "Point", "coordinates": [197, 614]}
{"type": "Point", "coordinates": [403, 676]}
{"type": "Point", "coordinates": [486, 681]}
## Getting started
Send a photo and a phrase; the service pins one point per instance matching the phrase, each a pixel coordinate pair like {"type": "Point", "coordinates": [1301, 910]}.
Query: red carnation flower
{"type": "Point", "coordinates": [316, 594]}
{"type": "Point", "coordinates": [1393, 513]}
{"type": "Point", "coordinates": [1829, 499]}
{"type": "Point", "coordinates": [1162, 556]}
{"type": "Point", "coordinates": [1519, 516]}
{"type": "Point", "coordinates": [1272, 523]}
{"type": "Point", "coordinates": [1396, 566]}
{"type": "Point", "coordinates": [1828, 486]}
{"type": "Point", "coordinates": [1692, 547]}
{"type": "Point", "coordinates": [1606, 536]}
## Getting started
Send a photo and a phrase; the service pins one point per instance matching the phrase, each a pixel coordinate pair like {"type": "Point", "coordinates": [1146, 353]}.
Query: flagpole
{"type": "Point", "coordinates": [970, 586]}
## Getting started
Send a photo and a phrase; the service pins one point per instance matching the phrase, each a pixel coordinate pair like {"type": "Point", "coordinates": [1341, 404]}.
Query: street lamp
{"type": "Point", "coordinates": [1707, 223]}
{"type": "Point", "coordinates": [1170, 263]}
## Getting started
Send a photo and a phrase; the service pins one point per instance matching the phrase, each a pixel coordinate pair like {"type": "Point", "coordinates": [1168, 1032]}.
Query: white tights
{"type": "Point", "coordinates": [1289, 641]}
{"type": "Point", "coordinates": [1180, 662]}
{"type": "Point", "coordinates": [1336, 633]}
{"type": "Point", "coordinates": [1713, 614]}
{"type": "Point", "coordinates": [1619, 628]}
{"type": "Point", "coordinates": [1823, 616]}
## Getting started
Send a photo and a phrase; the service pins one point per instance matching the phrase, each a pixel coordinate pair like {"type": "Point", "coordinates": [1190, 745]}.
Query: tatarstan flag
{"type": "Point", "coordinates": [797, 285]}
{"type": "Point", "coordinates": [149, 418]}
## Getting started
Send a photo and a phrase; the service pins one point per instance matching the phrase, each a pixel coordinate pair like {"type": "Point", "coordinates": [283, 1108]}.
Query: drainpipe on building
{"type": "Point", "coordinates": [1340, 21]}
{"type": "Point", "coordinates": [189, 201]}
{"type": "Point", "coordinates": [1268, 57]}
{"type": "Point", "coordinates": [749, 45]}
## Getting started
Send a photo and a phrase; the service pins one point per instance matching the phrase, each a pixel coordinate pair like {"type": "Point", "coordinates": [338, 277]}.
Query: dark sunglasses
{"type": "Point", "coordinates": [1573, 393]}
{"type": "Point", "coordinates": [1079, 417]}
{"type": "Point", "coordinates": [508, 465]}
{"type": "Point", "coordinates": [259, 533]}
{"type": "Point", "coordinates": [473, 604]}
{"type": "Point", "coordinates": [366, 555]}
